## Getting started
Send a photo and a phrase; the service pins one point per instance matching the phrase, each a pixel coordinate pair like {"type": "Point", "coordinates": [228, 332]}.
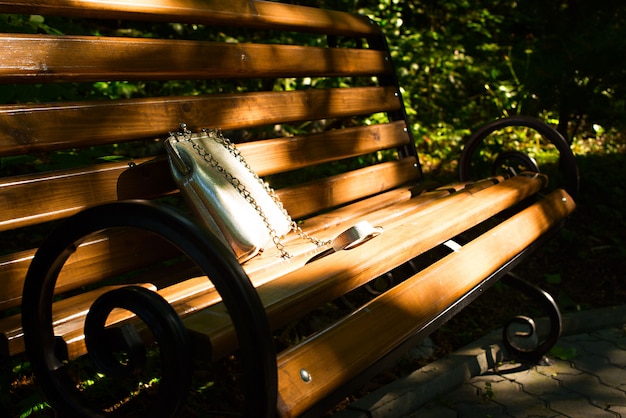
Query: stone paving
{"type": "Point", "coordinates": [585, 376]}
{"type": "Point", "coordinates": [589, 380]}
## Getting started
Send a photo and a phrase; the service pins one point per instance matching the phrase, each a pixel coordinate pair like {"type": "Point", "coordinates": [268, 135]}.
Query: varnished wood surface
{"type": "Point", "coordinates": [31, 199]}
{"type": "Point", "coordinates": [346, 348]}
{"type": "Point", "coordinates": [39, 58]}
{"type": "Point", "coordinates": [68, 314]}
{"type": "Point", "coordinates": [37, 198]}
{"type": "Point", "coordinates": [389, 209]}
{"type": "Point", "coordinates": [195, 289]}
{"type": "Point", "coordinates": [286, 154]}
{"type": "Point", "coordinates": [313, 197]}
{"type": "Point", "coordinates": [45, 127]}
{"type": "Point", "coordinates": [246, 13]}
{"type": "Point", "coordinates": [97, 259]}
{"type": "Point", "coordinates": [294, 292]}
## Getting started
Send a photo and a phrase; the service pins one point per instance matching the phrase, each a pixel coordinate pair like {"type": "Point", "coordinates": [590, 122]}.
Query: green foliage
{"type": "Point", "coordinates": [564, 353]}
{"type": "Point", "coordinates": [488, 394]}
{"type": "Point", "coordinates": [466, 62]}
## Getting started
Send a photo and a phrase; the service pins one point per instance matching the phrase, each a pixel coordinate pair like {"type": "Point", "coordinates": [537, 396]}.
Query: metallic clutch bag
{"type": "Point", "coordinates": [226, 194]}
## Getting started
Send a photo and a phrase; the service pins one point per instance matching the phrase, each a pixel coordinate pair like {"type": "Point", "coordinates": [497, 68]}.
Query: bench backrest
{"type": "Point", "coordinates": [325, 94]}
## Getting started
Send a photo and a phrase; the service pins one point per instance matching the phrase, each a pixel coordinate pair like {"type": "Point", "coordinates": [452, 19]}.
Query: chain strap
{"type": "Point", "coordinates": [185, 135]}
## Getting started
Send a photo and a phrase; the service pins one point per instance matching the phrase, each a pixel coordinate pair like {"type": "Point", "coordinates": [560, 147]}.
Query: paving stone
{"type": "Point", "coordinates": [620, 410]}
{"type": "Point", "coordinates": [489, 377]}
{"type": "Point", "coordinates": [600, 366]}
{"type": "Point", "coordinates": [616, 335]}
{"type": "Point", "coordinates": [614, 377]}
{"type": "Point", "coordinates": [535, 383]}
{"type": "Point", "coordinates": [351, 413]}
{"type": "Point", "coordinates": [575, 343]}
{"type": "Point", "coordinates": [590, 362]}
{"type": "Point", "coordinates": [499, 391]}
{"type": "Point", "coordinates": [616, 355]}
{"type": "Point", "coordinates": [546, 414]}
{"type": "Point", "coordinates": [530, 408]}
{"type": "Point", "coordinates": [590, 336]}
{"type": "Point", "coordinates": [557, 368]}
{"type": "Point", "coordinates": [589, 382]}
{"type": "Point", "coordinates": [467, 393]}
{"type": "Point", "coordinates": [589, 386]}
{"type": "Point", "coordinates": [515, 401]}
{"type": "Point", "coordinates": [512, 367]}
{"type": "Point", "coordinates": [574, 405]}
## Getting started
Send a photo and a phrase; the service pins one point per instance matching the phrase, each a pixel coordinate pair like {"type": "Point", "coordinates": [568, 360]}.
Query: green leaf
{"type": "Point", "coordinates": [563, 353]}
{"type": "Point", "coordinates": [38, 19]}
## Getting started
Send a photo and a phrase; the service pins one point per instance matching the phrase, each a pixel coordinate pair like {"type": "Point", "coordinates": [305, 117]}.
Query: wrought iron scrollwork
{"type": "Point", "coordinates": [103, 343]}
{"type": "Point", "coordinates": [567, 163]}
{"type": "Point", "coordinates": [257, 354]}
{"type": "Point", "coordinates": [520, 336]}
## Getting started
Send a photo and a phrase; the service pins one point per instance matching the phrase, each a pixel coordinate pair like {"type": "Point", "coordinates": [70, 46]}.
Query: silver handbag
{"type": "Point", "coordinates": [227, 195]}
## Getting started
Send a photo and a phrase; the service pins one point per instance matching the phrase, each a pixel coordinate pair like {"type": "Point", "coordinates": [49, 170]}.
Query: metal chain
{"type": "Point", "coordinates": [243, 191]}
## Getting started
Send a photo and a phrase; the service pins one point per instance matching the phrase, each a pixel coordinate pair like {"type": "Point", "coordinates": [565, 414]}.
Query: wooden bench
{"type": "Point", "coordinates": [320, 116]}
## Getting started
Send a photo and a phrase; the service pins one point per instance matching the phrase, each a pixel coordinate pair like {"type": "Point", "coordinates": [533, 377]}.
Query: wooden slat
{"type": "Point", "coordinates": [31, 199]}
{"type": "Point", "coordinates": [98, 259]}
{"type": "Point", "coordinates": [177, 295]}
{"type": "Point", "coordinates": [342, 351]}
{"type": "Point", "coordinates": [388, 213]}
{"type": "Point", "coordinates": [295, 293]}
{"type": "Point", "coordinates": [69, 313]}
{"type": "Point", "coordinates": [198, 289]}
{"type": "Point", "coordinates": [389, 208]}
{"type": "Point", "coordinates": [44, 127]}
{"type": "Point", "coordinates": [286, 154]}
{"type": "Point", "coordinates": [409, 233]}
{"type": "Point", "coordinates": [315, 20]}
{"type": "Point", "coordinates": [13, 268]}
{"type": "Point", "coordinates": [132, 9]}
{"type": "Point", "coordinates": [383, 209]}
{"type": "Point", "coordinates": [37, 59]}
{"type": "Point", "coordinates": [248, 13]}
{"type": "Point", "coordinates": [304, 200]}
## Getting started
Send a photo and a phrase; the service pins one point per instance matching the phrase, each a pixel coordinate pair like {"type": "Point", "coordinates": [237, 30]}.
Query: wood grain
{"type": "Point", "coordinates": [249, 13]}
{"type": "Point", "coordinates": [294, 292]}
{"type": "Point", "coordinates": [39, 58]}
{"type": "Point", "coordinates": [346, 348]}
{"type": "Point", "coordinates": [307, 199]}
{"type": "Point", "coordinates": [46, 127]}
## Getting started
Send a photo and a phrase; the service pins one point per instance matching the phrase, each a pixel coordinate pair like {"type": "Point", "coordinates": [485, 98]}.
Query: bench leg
{"type": "Point", "coordinates": [520, 335]}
